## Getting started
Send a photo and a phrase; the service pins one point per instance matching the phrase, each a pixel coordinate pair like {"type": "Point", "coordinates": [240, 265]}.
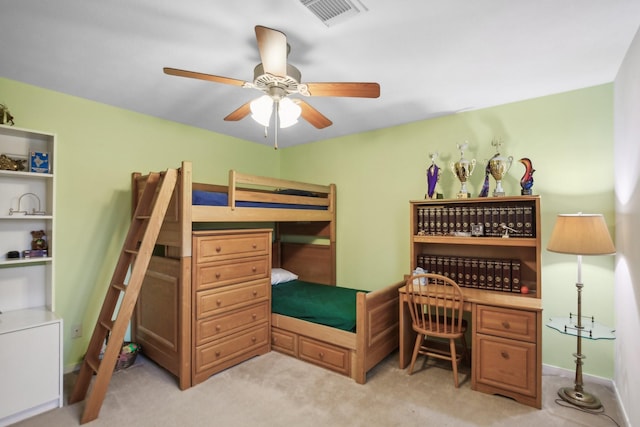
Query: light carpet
{"type": "Point", "coordinates": [278, 390]}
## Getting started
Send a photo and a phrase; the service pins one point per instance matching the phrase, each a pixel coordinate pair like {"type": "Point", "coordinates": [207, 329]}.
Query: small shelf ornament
{"type": "Point", "coordinates": [33, 211]}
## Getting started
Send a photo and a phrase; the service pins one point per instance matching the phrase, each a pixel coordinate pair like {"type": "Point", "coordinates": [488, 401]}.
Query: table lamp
{"type": "Point", "coordinates": [580, 234]}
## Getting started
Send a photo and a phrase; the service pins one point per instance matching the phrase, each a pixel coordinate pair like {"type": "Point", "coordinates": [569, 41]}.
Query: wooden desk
{"type": "Point", "coordinates": [506, 343]}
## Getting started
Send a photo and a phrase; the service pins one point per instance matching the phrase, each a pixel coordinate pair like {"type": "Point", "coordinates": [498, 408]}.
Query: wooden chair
{"type": "Point", "coordinates": [436, 306]}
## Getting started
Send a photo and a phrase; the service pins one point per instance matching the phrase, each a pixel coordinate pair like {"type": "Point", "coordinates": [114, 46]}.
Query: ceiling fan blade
{"type": "Point", "coordinates": [313, 116]}
{"type": "Point", "coordinates": [240, 113]}
{"type": "Point", "coordinates": [202, 76]}
{"type": "Point", "coordinates": [356, 90]}
{"type": "Point", "coordinates": [272, 45]}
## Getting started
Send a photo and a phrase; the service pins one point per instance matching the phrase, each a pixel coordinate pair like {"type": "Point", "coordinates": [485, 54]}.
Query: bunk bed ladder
{"type": "Point", "coordinates": [113, 320]}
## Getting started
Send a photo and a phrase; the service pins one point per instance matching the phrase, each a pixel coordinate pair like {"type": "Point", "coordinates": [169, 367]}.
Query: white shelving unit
{"type": "Point", "coordinates": [30, 331]}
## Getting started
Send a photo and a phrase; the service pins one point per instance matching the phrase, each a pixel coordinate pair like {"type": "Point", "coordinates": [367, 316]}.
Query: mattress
{"type": "Point", "coordinates": [209, 198]}
{"type": "Point", "coordinates": [326, 305]}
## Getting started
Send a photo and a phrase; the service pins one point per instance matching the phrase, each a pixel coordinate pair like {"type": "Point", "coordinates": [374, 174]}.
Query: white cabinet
{"type": "Point", "coordinates": [30, 331]}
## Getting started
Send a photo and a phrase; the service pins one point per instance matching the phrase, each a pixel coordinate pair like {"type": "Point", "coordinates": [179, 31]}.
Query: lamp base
{"type": "Point", "coordinates": [581, 399]}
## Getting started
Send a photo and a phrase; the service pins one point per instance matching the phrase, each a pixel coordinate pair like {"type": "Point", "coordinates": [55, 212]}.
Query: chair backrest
{"type": "Point", "coordinates": [436, 304]}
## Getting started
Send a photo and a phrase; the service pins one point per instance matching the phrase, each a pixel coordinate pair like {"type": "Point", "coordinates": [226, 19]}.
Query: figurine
{"type": "Point", "coordinates": [5, 116]}
{"type": "Point", "coordinates": [39, 240]}
{"type": "Point", "coordinates": [526, 182]}
{"type": "Point", "coordinates": [484, 192]}
{"type": "Point", "coordinates": [433, 176]}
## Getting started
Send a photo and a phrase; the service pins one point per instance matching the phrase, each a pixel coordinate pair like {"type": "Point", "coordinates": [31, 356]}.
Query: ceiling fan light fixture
{"type": "Point", "coordinates": [261, 109]}
{"type": "Point", "coordinates": [288, 112]}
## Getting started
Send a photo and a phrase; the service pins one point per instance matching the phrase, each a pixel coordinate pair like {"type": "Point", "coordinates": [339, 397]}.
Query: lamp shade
{"type": "Point", "coordinates": [261, 109]}
{"type": "Point", "coordinates": [581, 234]}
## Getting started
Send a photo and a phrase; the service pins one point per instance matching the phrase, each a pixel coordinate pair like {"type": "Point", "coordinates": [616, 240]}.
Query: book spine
{"type": "Point", "coordinates": [515, 275]}
{"type": "Point", "coordinates": [474, 273]}
{"type": "Point", "coordinates": [467, 272]}
{"type": "Point", "coordinates": [446, 268]}
{"type": "Point", "coordinates": [506, 275]}
{"type": "Point", "coordinates": [482, 273]}
{"type": "Point", "coordinates": [445, 220]}
{"type": "Point", "coordinates": [490, 274]}
{"type": "Point", "coordinates": [528, 221]}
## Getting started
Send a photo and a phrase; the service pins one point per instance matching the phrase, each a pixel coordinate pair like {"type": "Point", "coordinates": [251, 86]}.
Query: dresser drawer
{"type": "Point", "coordinates": [220, 351]}
{"type": "Point", "coordinates": [284, 342]}
{"type": "Point", "coordinates": [323, 354]}
{"type": "Point", "coordinates": [215, 301]}
{"type": "Point", "coordinates": [222, 274]}
{"type": "Point", "coordinates": [507, 365]}
{"type": "Point", "coordinates": [228, 323]}
{"type": "Point", "coordinates": [223, 247]}
{"type": "Point", "coordinates": [508, 323]}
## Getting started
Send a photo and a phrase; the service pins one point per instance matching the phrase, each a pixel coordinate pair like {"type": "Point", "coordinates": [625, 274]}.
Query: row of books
{"type": "Point", "coordinates": [492, 220]}
{"type": "Point", "coordinates": [482, 273]}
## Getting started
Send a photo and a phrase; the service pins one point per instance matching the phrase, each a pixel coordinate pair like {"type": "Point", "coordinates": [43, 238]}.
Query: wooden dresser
{"type": "Point", "coordinates": [231, 288]}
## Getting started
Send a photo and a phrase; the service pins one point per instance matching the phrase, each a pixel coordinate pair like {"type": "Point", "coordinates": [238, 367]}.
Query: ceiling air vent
{"type": "Point", "coordinates": [331, 12]}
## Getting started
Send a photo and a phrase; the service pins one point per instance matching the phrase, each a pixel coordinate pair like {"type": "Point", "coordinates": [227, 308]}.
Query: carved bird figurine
{"type": "Point", "coordinates": [526, 182]}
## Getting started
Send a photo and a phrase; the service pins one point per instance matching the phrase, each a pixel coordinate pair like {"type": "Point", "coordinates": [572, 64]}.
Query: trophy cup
{"type": "Point", "coordinates": [433, 176]}
{"type": "Point", "coordinates": [463, 169]}
{"type": "Point", "coordinates": [499, 166]}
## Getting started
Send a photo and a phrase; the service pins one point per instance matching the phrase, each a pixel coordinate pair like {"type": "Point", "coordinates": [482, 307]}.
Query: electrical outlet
{"type": "Point", "coordinates": [76, 331]}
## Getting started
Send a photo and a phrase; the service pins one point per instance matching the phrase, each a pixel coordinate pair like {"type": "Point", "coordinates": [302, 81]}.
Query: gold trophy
{"type": "Point", "coordinates": [499, 166]}
{"type": "Point", "coordinates": [463, 169]}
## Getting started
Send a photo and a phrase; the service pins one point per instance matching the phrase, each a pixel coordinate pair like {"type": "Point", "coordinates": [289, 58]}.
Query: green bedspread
{"type": "Point", "coordinates": [327, 305]}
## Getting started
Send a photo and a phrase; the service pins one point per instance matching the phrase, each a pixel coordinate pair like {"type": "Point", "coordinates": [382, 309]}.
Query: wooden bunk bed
{"type": "Point", "coordinates": [168, 320]}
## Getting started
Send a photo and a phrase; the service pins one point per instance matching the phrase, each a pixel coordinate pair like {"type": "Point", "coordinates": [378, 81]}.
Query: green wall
{"type": "Point", "coordinates": [98, 147]}
{"type": "Point", "coordinates": [569, 138]}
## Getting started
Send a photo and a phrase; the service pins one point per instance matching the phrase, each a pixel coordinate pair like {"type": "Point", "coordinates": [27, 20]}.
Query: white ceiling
{"type": "Point", "coordinates": [431, 57]}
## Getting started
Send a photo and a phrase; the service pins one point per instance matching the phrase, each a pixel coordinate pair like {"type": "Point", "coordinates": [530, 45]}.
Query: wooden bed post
{"type": "Point", "coordinates": [185, 183]}
{"type": "Point", "coordinates": [232, 189]}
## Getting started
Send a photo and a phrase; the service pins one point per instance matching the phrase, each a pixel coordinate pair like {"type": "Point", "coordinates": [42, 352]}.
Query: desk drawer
{"type": "Point", "coordinates": [508, 323]}
{"type": "Point", "coordinates": [222, 274]}
{"type": "Point", "coordinates": [326, 355]}
{"type": "Point", "coordinates": [507, 364]}
{"type": "Point", "coordinates": [214, 301]}
{"type": "Point", "coordinates": [223, 247]}
{"type": "Point", "coordinates": [227, 323]}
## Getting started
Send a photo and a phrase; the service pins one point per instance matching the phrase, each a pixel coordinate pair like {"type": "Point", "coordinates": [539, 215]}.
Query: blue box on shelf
{"type": "Point", "coordinates": [39, 162]}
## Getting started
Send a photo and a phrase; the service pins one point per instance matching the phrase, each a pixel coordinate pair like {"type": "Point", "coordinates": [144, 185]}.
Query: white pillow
{"type": "Point", "coordinates": [280, 275]}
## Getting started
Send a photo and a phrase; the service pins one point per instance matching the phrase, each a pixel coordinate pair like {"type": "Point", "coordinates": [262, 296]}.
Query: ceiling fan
{"type": "Point", "coordinates": [277, 80]}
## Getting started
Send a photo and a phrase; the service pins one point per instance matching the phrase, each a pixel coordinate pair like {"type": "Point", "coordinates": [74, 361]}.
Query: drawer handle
{"type": "Point", "coordinates": [219, 302]}
{"type": "Point", "coordinates": [254, 246]}
{"type": "Point", "coordinates": [217, 274]}
{"type": "Point", "coordinates": [504, 355]}
{"type": "Point", "coordinates": [218, 353]}
{"type": "Point", "coordinates": [253, 269]}
{"type": "Point", "coordinates": [506, 325]}
{"type": "Point", "coordinates": [321, 355]}
{"type": "Point", "coordinates": [218, 248]}
{"type": "Point", "coordinates": [254, 316]}
{"type": "Point", "coordinates": [253, 339]}
{"type": "Point", "coordinates": [255, 293]}
{"type": "Point", "coordinates": [218, 327]}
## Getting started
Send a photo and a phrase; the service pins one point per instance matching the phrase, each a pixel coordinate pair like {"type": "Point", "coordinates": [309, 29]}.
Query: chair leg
{"type": "Point", "coordinates": [454, 361]}
{"type": "Point", "coordinates": [416, 350]}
